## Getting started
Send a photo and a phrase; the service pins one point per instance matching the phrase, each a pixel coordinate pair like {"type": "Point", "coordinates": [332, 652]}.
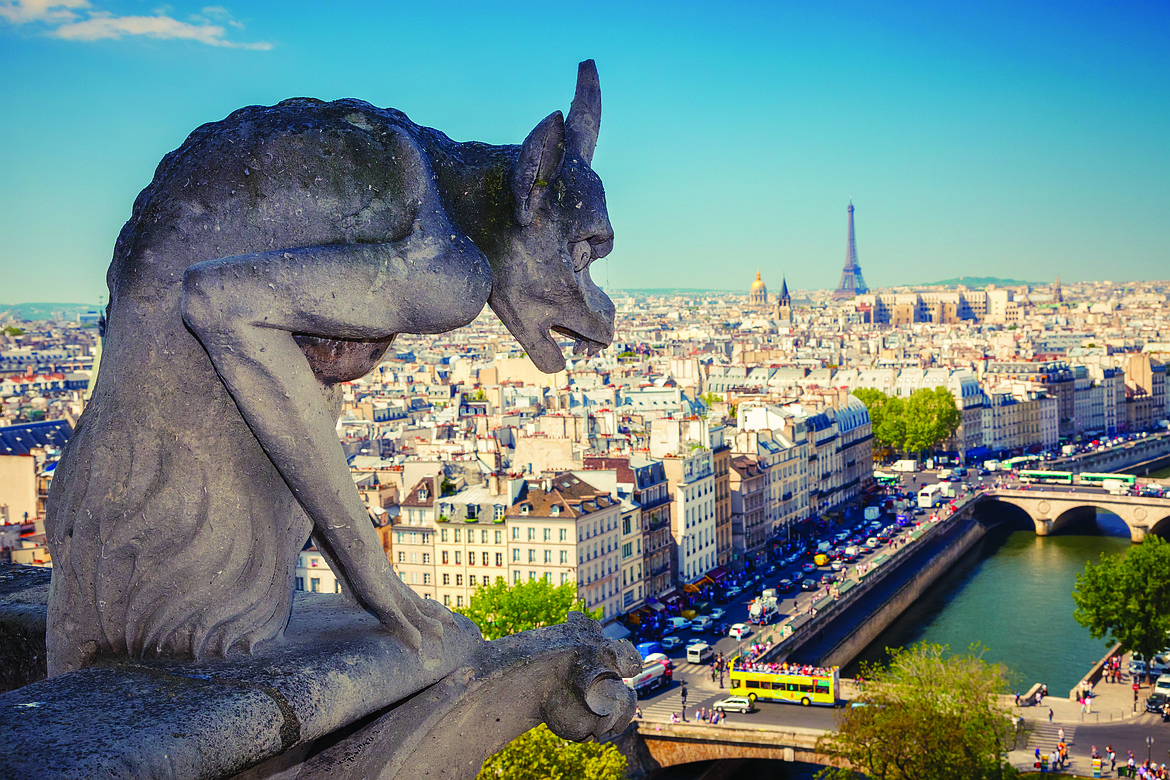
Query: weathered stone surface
{"type": "Point", "coordinates": [333, 698]}
{"type": "Point", "coordinates": [276, 253]}
{"type": "Point", "coordinates": [24, 592]}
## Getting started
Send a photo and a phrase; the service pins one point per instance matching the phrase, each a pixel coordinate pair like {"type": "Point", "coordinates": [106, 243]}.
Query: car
{"type": "Point", "coordinates": [768, 572]}
{"type": "Point", "coordinates": [721, 629]}
{"type": "Point", "coordinates": [807, 567]}
{"type": "Point", "coordinates": [1156, 702]}
{"type": "Point", "coordinates": [786, 586]}
{"type": "Point", "coordinates": [837, 565]}
{"type": "Point", "coordinates": [670, 642]}
{"type": "Point", "coordinates": [658, 658]}
{"type": "Point", "coordinates": [809, 584]}
{"type": "Point", "coordinates": [701, 623]}
{"type": "Point", "coordinates": [717, 613]}
{"type": "Point", "coordinates": [739, 630]}
{"type": "Point", "coordinates": [734, 704]}
{"type": "Point", "coordinates": [696, 640]}
{"type": "Point", "coordinates": [733, 591]}
{"type": "Point", "coordinates": [827, 578]}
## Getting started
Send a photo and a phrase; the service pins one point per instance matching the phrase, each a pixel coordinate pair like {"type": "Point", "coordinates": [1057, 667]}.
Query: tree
{"type": "Point", "coordinates": [502, 609]}
{"type": "Point", "coordinates": [913, 425]}
{"type": "Point", "coordinates": [922, 717]}
{"type": "Point", "coordinates": [1126, 597]}
{"type": "Point", "coordinates": [539, 754]}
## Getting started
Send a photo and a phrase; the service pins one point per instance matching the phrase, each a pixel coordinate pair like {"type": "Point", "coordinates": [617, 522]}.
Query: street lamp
{"type": "Point", "coordinates": [1149, 747]}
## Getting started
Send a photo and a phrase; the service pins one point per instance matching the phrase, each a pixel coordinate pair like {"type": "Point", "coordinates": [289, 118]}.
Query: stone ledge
{"type": "Point", "coordinates": [210, 718]}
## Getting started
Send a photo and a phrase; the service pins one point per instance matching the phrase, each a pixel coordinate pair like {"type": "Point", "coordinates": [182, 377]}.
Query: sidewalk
{"type": "Point", "coordinates": [1110, 703]}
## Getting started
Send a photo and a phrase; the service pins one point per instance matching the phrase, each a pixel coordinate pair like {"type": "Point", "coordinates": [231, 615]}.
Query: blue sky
{"type": "Point", "coordinates": [1020, 140]}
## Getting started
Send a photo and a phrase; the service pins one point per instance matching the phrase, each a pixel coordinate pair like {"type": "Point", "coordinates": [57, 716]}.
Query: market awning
{"type": "Point", "coordinates": [718, 573]}
{"type": "Point", "coordinates": [615, 630]}
{"type": "Point", "coordinates": [689, 588]}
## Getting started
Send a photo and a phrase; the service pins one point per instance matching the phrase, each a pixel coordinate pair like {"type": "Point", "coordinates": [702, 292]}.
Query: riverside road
{"type": "Point", "coordinates": [1111, 719]}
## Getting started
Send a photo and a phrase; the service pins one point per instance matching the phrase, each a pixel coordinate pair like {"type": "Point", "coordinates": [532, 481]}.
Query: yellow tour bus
{"type": "Point", "coordinates": [791, 683]}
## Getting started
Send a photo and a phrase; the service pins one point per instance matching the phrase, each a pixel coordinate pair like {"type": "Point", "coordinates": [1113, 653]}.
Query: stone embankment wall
{"type": "Point", "coordinates": [1139, 457]}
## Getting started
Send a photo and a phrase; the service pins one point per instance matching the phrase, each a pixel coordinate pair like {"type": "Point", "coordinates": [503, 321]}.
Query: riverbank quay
{"type": "Point", "coordinates": [847, 617]}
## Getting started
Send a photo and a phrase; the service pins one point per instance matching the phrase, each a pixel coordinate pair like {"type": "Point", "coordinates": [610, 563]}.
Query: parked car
{"type": "Point", "coordinates": [1155, 702]}
{"type": "Point", "coordinates": [807, 567]}
{"type": "Point", "coordinates": [701, 623]}
{"type": "Point", "coordinates": [809, 584]}
{"type": "Point", "coordinates": [734, 704]}
{"type": "Point", "coordinates": [717, 614]}
{"type": "Point", "coordinates": [696, 640]}
{"type": "Point", "coordinates": [670, 642]}
{"type": "Point", "coordinates": [721, 629]}
{"type": "Point", "coordinates": [786, 586]}
{"type": "Point", "coordinates": [733, 591]}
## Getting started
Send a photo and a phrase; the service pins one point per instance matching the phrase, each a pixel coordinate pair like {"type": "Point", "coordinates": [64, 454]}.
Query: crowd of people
{"type": "Point", "coordinates": [806, 670]}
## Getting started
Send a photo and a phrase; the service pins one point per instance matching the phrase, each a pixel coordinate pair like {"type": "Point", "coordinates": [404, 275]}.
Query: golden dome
{"type": "Point", "coordinates": [758, 283]}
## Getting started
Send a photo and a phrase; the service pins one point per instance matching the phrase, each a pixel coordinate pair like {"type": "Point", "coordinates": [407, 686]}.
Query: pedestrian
{"type": "Point", "coordinates": [1017, 698]}
{"type": "Point", "coordinates": [1049, 714]}
{"type": "Point", "coordinates": [1060, 735]}
{"type": "Point", "coordinates": [1112, 757]}
{"type": "Point", "coordinates": [638, 713]}
{"type": "Point", "coordinates": [684, 697]}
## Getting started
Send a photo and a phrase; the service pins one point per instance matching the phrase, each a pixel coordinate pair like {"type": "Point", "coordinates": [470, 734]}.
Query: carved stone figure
{"type": "Point", "coordinates": [277, 253]}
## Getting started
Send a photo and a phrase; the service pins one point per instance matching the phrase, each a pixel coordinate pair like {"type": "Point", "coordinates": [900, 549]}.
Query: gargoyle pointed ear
{"type": "Point", "coordinates": [539, 163]}
{"type": "Point", "coordinates": [585, 114]}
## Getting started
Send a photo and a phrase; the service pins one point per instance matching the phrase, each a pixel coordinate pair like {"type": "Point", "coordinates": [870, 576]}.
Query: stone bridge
{"type": "Point", "coordinates": [650, 747]}
{"type": "Point", "coordinates": [1053, 510]}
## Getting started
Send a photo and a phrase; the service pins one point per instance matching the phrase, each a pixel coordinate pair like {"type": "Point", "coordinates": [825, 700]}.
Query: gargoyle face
{"type": "Point", "coordinates": [542, 285]}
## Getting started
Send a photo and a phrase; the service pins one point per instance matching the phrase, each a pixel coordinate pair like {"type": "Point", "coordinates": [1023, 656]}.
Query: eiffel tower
{"type": "Point", "coordinates": [852, 284]}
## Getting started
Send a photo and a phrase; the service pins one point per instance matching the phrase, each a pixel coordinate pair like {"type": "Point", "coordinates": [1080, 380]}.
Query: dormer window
{"type": "Point", "coordinates": [556, 510]}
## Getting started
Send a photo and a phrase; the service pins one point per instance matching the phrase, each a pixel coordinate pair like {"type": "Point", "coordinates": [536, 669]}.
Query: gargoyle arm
{"type": "Point", "coordinates": [245, 310]}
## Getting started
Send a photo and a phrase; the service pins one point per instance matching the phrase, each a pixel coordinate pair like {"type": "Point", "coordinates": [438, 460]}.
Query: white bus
{"type": "Point", "coordinates": [930, 496]}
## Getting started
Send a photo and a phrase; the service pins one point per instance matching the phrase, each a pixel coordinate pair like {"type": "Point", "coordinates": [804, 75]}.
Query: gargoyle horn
{"type": "Point", "coordinates": [585, 114]}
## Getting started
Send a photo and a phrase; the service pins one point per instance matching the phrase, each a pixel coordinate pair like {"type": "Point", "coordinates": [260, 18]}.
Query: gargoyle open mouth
{"type": "Point", "coordinates": [582, 344]}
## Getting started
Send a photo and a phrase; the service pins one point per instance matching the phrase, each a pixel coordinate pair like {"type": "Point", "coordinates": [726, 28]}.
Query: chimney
{"type": "Point", "coordinates": [493, 484]}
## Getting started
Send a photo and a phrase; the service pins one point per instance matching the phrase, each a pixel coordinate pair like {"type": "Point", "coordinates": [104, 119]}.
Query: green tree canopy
{"type": "Point", "coordinates": [538, 754]}
{"type": "Point", "coordinates": [1126, 597]}
{"type": "Point", "coordinates": [502, 609]}
{"type": "Point", "coordinates": [913, 425]}
{"type": "Point", "coordinates": [922, 717]}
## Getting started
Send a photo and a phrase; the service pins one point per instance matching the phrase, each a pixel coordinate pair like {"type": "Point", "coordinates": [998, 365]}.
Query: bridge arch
{"type": "Point", "coordinates": [1054, 511]}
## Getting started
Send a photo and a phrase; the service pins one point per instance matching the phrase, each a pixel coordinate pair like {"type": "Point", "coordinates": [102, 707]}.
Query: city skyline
{"type": "Point", "coordinates": [993, 141]}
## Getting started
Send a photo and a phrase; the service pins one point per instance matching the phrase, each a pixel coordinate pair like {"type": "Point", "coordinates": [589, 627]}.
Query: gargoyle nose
{"type": "Point", "coordinates": [602, 245]}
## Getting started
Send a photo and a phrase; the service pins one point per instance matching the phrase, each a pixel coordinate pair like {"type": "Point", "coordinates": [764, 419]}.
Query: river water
{"type": "Point", "coordinates": [1011, 593]}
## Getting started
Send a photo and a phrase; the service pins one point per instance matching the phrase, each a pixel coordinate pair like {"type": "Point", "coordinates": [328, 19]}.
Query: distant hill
{"type": "Point", "coordinates": [983, 281]}
{"type": "Point", "coordinates": [46, 311]}
{"type": "Point", "coordinates": [674, 291]}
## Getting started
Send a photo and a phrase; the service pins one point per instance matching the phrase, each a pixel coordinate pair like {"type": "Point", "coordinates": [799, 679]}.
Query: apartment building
{"type": "Point", "coordinates": [563, 529]}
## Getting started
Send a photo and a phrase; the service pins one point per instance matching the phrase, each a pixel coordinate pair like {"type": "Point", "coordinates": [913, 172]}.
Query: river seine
{"type": "Point", "coordinates": [1011, 594]}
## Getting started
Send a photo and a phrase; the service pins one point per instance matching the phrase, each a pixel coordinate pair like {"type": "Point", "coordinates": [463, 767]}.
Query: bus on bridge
{"type": "Point", "coordinates": [1129, 480]}
{"type": "Point", "coordinates": [1047, 477]}
{"type": "Point", "coordinates": [789, 683]}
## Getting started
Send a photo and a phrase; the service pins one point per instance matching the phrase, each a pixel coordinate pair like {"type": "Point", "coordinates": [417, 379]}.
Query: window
{"type": "Point", "coordinates": [531, 575]}
{"type": "Point", "coordinates": [515, 533]}
{"type": "Point", "coordinates": [564, 535]}
{"type": "Point", "coordinates": [498, 514]}
{"type": "Point", "coordinates": [315, 584]}
{"type": "Point", "coordinates": [459, 601]}
{"type": "Point", "coordinates": [499, 537]}
{"type": "Point", "coordinates": [483, 536]}
{"type": "Point", "coordinates": [446, 600]}
{"type": "Point", "coordinates": [401, 557]}
{"type": "Point", "coordinates": [426, 578]}
{"type": "Point", "coordinates": [548, 556]}
{"type": "Point", "coordinates": [516, 576]}
{"type": "Point", "coordinates": [459, 580]}
{"type": "Point", "coordinates": [446, 579]}
{"type": "Point", "coordinates": [531, 534]}
{"type": "Point", "coordinates": [414, 557]}
{"type": "Point", "coordinates": [443, 535]}
{"type": "Point", "coordinates": [531, 555]}
{"type": "Point", "coordinates": [564, 556]}
{"type": "Point", "coordinates": [486, 558]}
{"type": "Point", "coordinates": [548, 534]}
{"type": "Point", "coordinates": [564, 578]}
{"type": "Point", "coordinates": [515, 555]}
{"type": "Point", "coordinates": [626, 525]}
{"type": "Point", "coordinates": [471, 580]}
{"type": "Point", "coordinates": [300, 583]}
{"type": "Point", "coordinates": [458, 534]}
{"type": "Point", "coordinates": [472, 512]}
{"type": "Point", "coordinates": [444, 554]}
{"type": "Point", "coordinates": [426, 557]}
{"type": "Point", "coordinates": [458, 557]}
{"type": "Point", "coordinates": [414, 577]}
